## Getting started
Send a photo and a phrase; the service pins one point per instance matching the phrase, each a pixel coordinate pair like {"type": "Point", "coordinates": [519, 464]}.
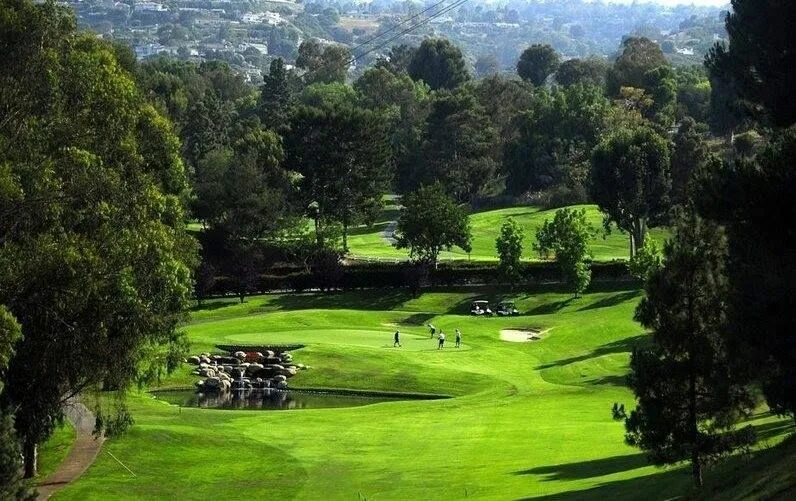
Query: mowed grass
{"type": "Point", "coordinates": [368, 243]}
{"type": "Point", "coordinates": [527, 419]}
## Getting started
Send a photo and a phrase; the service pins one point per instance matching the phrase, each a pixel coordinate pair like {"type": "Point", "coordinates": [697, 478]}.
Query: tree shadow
{"type": "Point", "coordinates": [767, 431]}
{"type": "Point", "coordinates": [620, 346]}
{"type": "Point", "coordinates": [588, 469]}
{"type": "Point", "coordinates": [610, 380]}
{"type": "Point", "coordinates": [417, 319]}
{"type": "Point", "coordinates": [549, 308]}
{"type": "Point", "coordinates": [353, 300]}
{"type": "Point", "coordinates": [215, 304]}
{"type": "Point", "coordinates": [612, 300]}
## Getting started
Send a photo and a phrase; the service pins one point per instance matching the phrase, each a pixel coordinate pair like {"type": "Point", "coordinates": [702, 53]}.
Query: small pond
{"type": "Point", "coordinates": [269, 399]}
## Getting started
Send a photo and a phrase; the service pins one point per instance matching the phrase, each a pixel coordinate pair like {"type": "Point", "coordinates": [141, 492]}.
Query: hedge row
{"type": "Point", "coordinates": [390, 275]}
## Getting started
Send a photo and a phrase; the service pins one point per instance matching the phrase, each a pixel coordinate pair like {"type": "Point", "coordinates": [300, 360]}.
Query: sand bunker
{"type": "Point", "coordinates": [521, 335]}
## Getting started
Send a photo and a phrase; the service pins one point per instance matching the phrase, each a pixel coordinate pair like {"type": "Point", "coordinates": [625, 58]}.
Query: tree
{"type": "Point", "coordinates": [536, 63]}
{"type": "Point", "coordinates": [431, 221]}
{"type": "Point", "coordinates": [12, 486]}
{"type": "Point", "coordinates": [630, 181]}
{"type": "Point", "coordinates": [397, 59]}
{"type": "Point", "coordinates": [404, 105]}
{"type": "Point", "coordinates": [760, 58]}
{"type": "Point", "coordinates": [94, 259]}
{"type": "Point", "coordinates": [753, 199]}
{"type": "Point", "coordinates": [509, 249]}
{"type": "Point", "coordinates": [554, 140]}
{"type": "Point", "coordinates": [688, 397]}
{"type": "Point", "coordinates": [639, 56]}
{"type": "Point", "coordinates": [646, 261]}
{"type": "Point", "coordinates": [342, 152]}
{"type": "Point", "coordinates": [457, 146]}
{"type": "Point", "coordinates": [567, 237]}
{"type": "Point", "coordinates": [439, 63]}
{"type": "Point", "coordinates": [323, 64]}
{"type": "Point", "coordinates": [591, 71]}
{"type": "Point", "coordinates": [689, 154]}
{"type": "Point", "coordinates": [276, 96]}
{"type": "Point", "coordinates": [503, 99]}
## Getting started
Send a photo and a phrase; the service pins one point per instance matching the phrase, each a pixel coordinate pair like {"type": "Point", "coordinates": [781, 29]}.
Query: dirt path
{"type": "Point", "coordinates": [80, 457]}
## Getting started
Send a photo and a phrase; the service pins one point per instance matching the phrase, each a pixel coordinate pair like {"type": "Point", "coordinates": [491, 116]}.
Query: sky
{"type": "Point", "coordinates": [710, 3]}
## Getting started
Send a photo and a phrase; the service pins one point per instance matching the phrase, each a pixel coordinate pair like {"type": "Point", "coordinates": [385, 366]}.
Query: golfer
{"type": "Point", "coordinates": [397, 338]}
{"type": "Point", "coordinates": [432, 329]}
{"type": "Point", "coordinates": [458, 338]}
{"type": "Point", "coordinates": [441, 340]}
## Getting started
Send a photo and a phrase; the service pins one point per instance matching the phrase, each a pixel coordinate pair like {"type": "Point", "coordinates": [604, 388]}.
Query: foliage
{"type": "Point", "coordinates": [439, 64]}
{"type": "Point", "coordinates": [276, 96]}
{"type": "Point", "coordinates": [753, 199]}
{"type": "Point", "coordinates": [342, 153]}
{"type": "Point", "coordinates": [591, 71]}
{"type": "Point", "coordinates": [689, 398]}
{"type": "Point", "coordinates": [759, 58]}
{"type": "Point", "coordinates": [430, 222]}
{"type": "Point", "coordinates": [486, 65]}
{"type": "Point", "coordinates": [457, 146]}
{"type": "Point", "coordinates": [509, 248]}
{"type": "Point", "coordinates": [639, 56]}
{"type": "Point", "coordinates": [689, 154]}
{"type": "Point", "coordinates": [536, 63]}
{"type": "Point", "coordinates": [646, 261]}
{"type": "Point", "coordinates": [323, 64]}
{"type": "Point", "coordinates": [566, 237]}
{"type": "Point", "coordinates": [630, 181]}
{"type": "Point", "coordinates": [94, 261]}
{"type": "Point", "coordinates": [555, 138]}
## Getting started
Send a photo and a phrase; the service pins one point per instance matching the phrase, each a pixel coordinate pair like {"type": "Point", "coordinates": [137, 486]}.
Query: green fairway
{"type": "Point", "coordinates": [368, 243]}
{"type": "Point", "coordinates": [527, 419]}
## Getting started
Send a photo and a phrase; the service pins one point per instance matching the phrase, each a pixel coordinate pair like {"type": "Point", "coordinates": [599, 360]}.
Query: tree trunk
{"type": "Point", "coordinates": [31, 453]}
{"type": "Point", "coordinates": [345, 235]}
{"type": "Point", "coordinates": [637, 235]}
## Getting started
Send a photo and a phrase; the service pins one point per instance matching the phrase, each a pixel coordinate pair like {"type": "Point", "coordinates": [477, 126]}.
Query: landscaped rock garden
{"type": "Point", "coordinates": [244, 371]}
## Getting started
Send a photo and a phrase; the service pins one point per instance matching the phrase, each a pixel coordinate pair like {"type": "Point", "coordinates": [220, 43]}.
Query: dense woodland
{"type": "Point", "coordinates": [105, 161]}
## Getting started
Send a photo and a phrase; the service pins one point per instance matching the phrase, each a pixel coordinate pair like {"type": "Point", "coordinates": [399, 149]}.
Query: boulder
{"type": "Point", "coordinates": [193, 360]}
{"type": "Point", "coordinates": [205, 360]}
{"type": "Point", "coordinates": [280, 378]}
{"type": "Point", "coordinates": [282, 385]}
{"type": "Point", "coordinates": [240, 355]}
{"type": "Point", "coordinates": [212, 383]}
{"type": "Point", "coordinates": [207, 372]}
{"type": "Point", "coordinates": [253, 369]}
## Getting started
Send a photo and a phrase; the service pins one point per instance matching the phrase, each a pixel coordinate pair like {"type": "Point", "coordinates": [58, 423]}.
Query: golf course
{"type": "Point", "coordinates": [369, 243]}
{"type": "Point", "coordinates": [524, 419]}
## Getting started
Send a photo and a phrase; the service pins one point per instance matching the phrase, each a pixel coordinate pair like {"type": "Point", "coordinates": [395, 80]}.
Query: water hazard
{"type": "Point", "coordinates": [269, 399]}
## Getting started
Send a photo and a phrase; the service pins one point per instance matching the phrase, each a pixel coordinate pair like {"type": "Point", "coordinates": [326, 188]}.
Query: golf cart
{"type": "Point", "coordinates": [507, 309]}
{"type": "Point", "coordinates": [479, 308]}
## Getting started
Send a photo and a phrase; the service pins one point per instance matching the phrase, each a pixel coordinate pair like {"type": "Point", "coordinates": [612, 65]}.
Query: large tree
{"type": "Point", "coordinates": [342, 153]}
{"type": "Point", "coordinates": [439, 63]}
{"type": "Point", "coordinates": [277, 96]}
{"type": "Point", "coordinates": [94, 257]}
{"type": "Point", "coordinates": [590, 71]}
{"type": "Point", "coordinates": [639, 56]}
{"type": "Point", "coordinates": [457, 146]}
{"type": "Point", "coordinates": [689, 154]}
{"type": "Point", "coordinates": [323, 64]}
{"type": "Point", "coordinates": [536, 63]}
{"type": "Point", "coordinates": [509, 249]}
{"type": "Point", "coordinates": [554, 139]}
{"type": "Point", "coordinates": [630, 181]}
{"type": "Point", "coordinates": [430, 222]}
{"type": "Point", "coordinates": [688, 395]}
{"type": "Point", "coordinates": [760, 58]}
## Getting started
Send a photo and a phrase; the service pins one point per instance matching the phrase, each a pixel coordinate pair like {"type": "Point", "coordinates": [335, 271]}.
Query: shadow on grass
{"type": "Point", "coordinates": [387, 299]}
{"type": "Point", "coordinates": [417, 319]}
{"type": "Point", "coordinates": [588, 469]}
{"type": "Point", "coordinates": [621, 346]}
{"type": "Point", "coordinates": [610, 380]}
{"type": "Point", "coordinates": [768, 431]}
{"type": "Point", "coordinates": [549, 308]}
{"type": "Point", "coordinates": [612, 300]}
{"type": "Point", "coordinates": [214, 304]}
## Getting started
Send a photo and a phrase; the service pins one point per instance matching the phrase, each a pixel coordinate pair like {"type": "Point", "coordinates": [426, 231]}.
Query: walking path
{"type": "Point", "coordinates": [82, 454]}
{"type": "Point", "coordinates": [389, 232]}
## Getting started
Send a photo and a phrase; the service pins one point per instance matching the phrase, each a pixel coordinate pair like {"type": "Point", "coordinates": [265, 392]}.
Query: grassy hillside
{"type": "Point", "coordinates": [528, 419]}
{"type": "Point", "coordinates": [369, 243]}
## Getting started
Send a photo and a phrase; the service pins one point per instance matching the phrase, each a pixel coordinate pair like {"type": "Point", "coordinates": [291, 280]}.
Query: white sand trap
{"type": "Point", "coordinates": [521, 335]}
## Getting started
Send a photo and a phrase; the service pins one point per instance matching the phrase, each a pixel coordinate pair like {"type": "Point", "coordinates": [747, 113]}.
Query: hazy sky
{"type": "Point", "coordinates": [676, 2]}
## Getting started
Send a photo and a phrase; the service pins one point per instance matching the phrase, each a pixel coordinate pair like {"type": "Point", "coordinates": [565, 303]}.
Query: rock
{"type": "Point", "coordinates": [240, 355]}
{"type": "Point", "coordinates": [269, 354]}
{"type": "Point", "coordinates": [282, 385]}
{"type": "Point", "coordinates": [253, 369]}
{"type": "Point", "coordinates": [224, 377]}
{"type": "Point", "coordinates": [226, 385]}
{"type": "Point", "coordinates": [204, 355]}
{"type": "Point", "coordinates": [193, 360]}
{"type": "Point", "coordinates": [205, 360]}
{"type": "Point", "coordinates": [199, 383]}
{"type": "Point", "coordinates": [212, 383]}
{"type": "Point", "coordinates": [207, 373]}
{"type": "Point", "coordinates": [237, 372]}
{"type": "Point", "coordinates": [280, 378]}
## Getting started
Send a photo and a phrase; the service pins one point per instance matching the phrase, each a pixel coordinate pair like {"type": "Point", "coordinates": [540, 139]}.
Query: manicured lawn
{"type": "Point", "coordinates": [528, 419]}
{"type": "Point", "coordinates": [368, 243]}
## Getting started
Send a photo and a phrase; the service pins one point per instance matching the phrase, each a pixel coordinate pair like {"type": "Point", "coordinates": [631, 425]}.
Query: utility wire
{"type": "Point", "coordinates": [385, 32]}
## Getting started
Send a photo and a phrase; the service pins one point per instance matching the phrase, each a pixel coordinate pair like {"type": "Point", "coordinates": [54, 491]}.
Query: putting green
{"type": "Point", "coordinates": [528, 419]}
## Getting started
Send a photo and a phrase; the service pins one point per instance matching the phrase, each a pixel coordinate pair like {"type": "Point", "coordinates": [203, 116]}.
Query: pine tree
{"type": "Point", "coordinates": [688, 396]}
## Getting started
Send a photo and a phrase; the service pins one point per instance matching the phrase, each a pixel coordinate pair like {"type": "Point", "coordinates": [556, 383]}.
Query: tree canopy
{"type": "Point", "coordinates": [438, 63]}
{"type": "Point", "coordinates": [536, 63]}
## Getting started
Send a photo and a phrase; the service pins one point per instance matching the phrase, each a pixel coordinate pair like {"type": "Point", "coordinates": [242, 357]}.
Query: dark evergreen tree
{"type": "Point", "coordinates": [537, 62]}
{"type": "Point", "coordinates": [439, 63]}
{"type": "Point", "coordinates": [688, 396]}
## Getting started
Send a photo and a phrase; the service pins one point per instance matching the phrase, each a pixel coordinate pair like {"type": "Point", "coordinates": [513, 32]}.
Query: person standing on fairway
{"type": "Point", "coordinates": [458, 338]}
{"type": "Point", "coordinates": [441, 340]}
{"type": "Point", "coordinates": [432, 329]}
{"type": "Point", "coordinates": [397, 341]}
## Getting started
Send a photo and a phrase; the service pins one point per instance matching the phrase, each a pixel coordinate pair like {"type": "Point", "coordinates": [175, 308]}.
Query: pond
{"type": "Point", "coordinates": [270, 399]}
